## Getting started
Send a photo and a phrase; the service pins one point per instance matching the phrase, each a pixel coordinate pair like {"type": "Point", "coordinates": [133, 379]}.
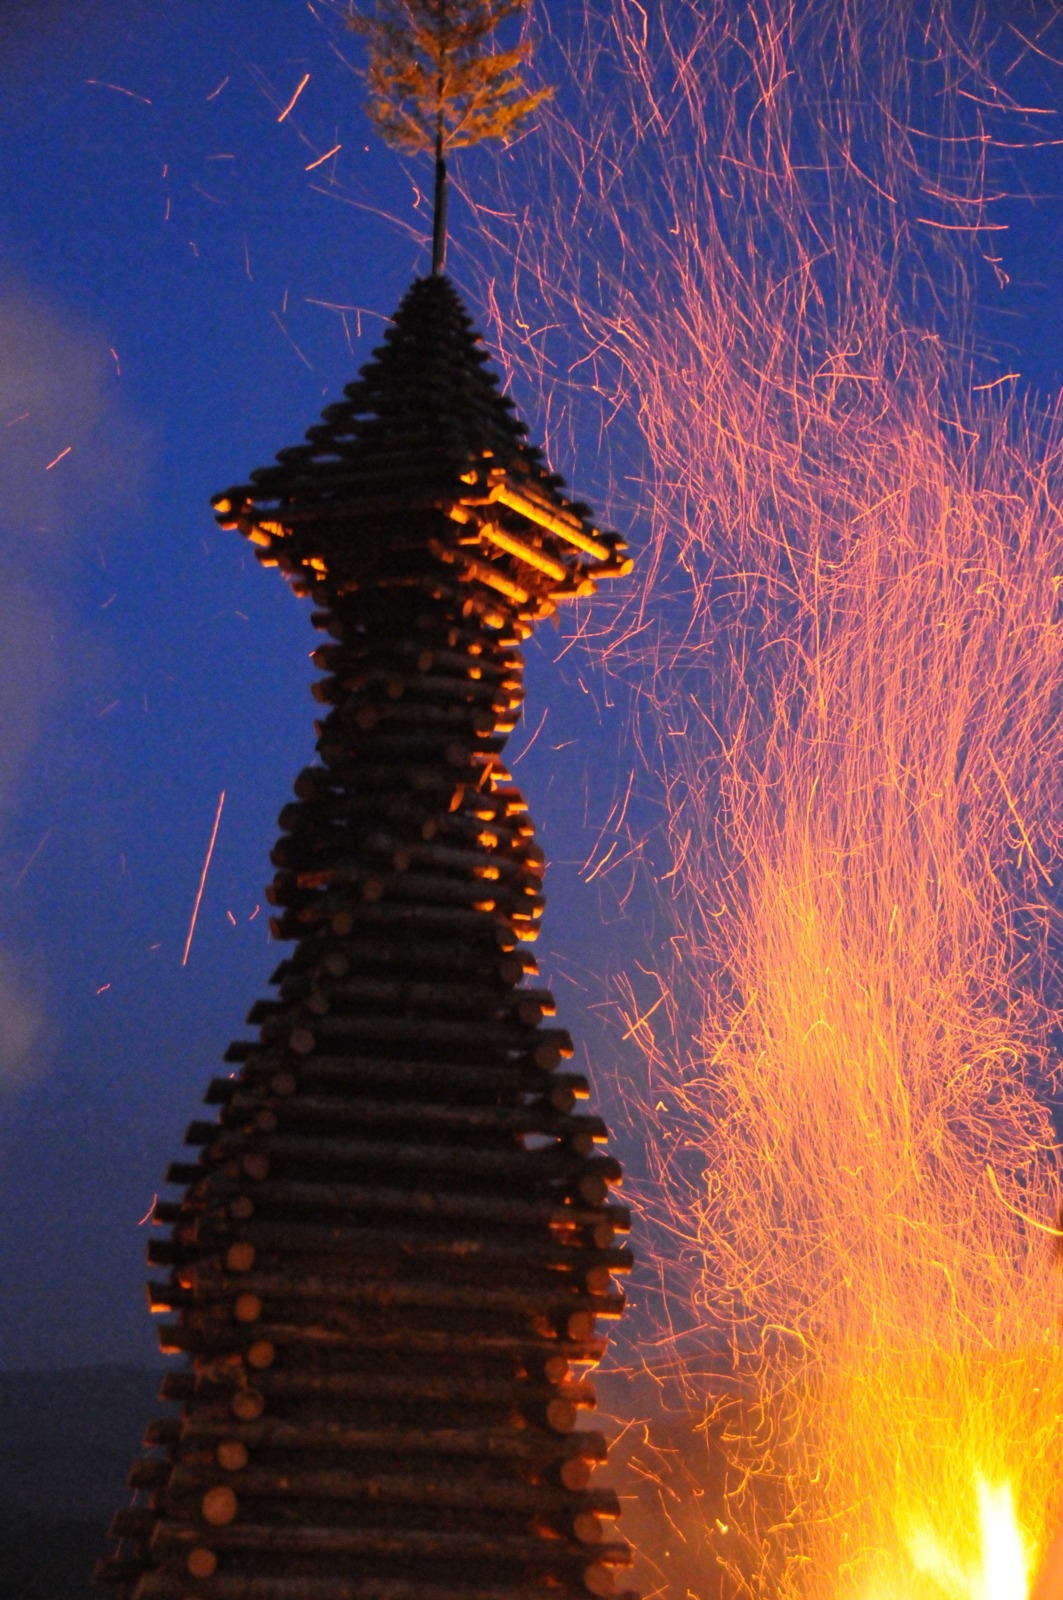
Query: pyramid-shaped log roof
{"type": "Point", "coordinates": [425, 428]}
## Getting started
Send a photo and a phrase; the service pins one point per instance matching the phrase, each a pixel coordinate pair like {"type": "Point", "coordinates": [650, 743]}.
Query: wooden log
{"type": "Point", "coordinates": [322, 514]}
{"type": "Point", "coordinates": [461, 1384]}
{"type": "Point", "coordinates": [373, 780]}
{"type": "Point", "coordinates": [206, 1338]}
{"type": "Point", "coordinates": [400, 1077]}
{"type": "Point", "coordinates": [310, 480]}
{"type": "Point", "coordinates": [533, 1553]}
{"type": "Point", "coordinates": [526, 1447]}
{"type": "Point", "coordinates": [499, 672]}
{"type": "Point", "coordinates": [183, 1173]}
{"type": "Point", "coordinates": [395, 917]}
{"type": "Point", "coordinates": [345, 749]}
{"type": "Point", "coordinates": [463, 717]}
{"type": "Point", "coordinates": [494, 692]}
{"type": "Point", "coordinates": [148, 1474]}
{"type": "Point", "coordinates": [484, 847]}
{"type": "Point", "coordinates": [372, 1250]}
{"type": "Point", "coordinates": [341, 998]}
{"type": "Point", "coordinates": [481, 962]}
{"type": "Point", "coordinates": [451, 1492]}
{"type": "Point", "coordinates": [544, 1047]}
{"type": "Point", "coordinates": [354, 810]}
{"type": "Point", "coordinates": [331, 893]}
{"type": "Point", "coordinates": [163, 1297]}
{"type": "Point", "coordinates": [513, 837]}
{"type": "Point", "coordinates": [499, 652]}
{"type": "Point", "coordinates": [587, 1261]}
{"type": "Point", "coordinates": [451, 858]}
{"type": "Point", "coordinates": [218, 1507]}
{"type": "Point", "coordinates": [477, 1493]}
{"type": "Point", "coordinates": [392, 1199]}
{"type": "Point", "coordinates": [201, 1562]}
{"type": "Point", "coordinates": [133, 1522]}
{"type": "Point", "coordinates": [363, 1112]}
{"type": "Point", "coordinates": [516, 1168]}
{"type": "Point", "coordinates": [558, 1300]}
{"type": "Point", "coordinates": [565, 526]}
{"type": "Point", "coordinates": [411, 992]}
{"type": "Point", "coordinates": [492, 577]}
{"type": "Point", "coordinates": [529, 554]}
{"type": "Point", "coordinates": [470, 1249]}
{"type": "Point", "coordinates": [119, 1570]}
{"type": "Point", "coordinates": [390, 688]}
{"type": "Point", "coordinates": [504, 800]}
{"type": "Point", "coordinates": [165, 1585]}
{"type": "Point", "coordinates": [178, 1386]}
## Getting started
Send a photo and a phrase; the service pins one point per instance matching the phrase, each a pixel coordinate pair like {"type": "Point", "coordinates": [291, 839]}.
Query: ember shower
{"type": "Point", "coordinates": [776, 223]}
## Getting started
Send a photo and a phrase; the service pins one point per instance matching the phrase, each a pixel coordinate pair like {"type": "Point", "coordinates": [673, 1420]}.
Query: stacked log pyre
{"type": "Point", "coordinates": [397, 1238]}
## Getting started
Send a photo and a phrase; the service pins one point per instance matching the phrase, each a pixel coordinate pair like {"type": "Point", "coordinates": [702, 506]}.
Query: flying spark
{"type": "Point", "coordinates": [299, 89]}
{"type": "Point", "coordinates": [203, 879]}
{"type": "Point", "coordinates": [118, 89]}
{"type": "Point", "coordinates": [320, 159]}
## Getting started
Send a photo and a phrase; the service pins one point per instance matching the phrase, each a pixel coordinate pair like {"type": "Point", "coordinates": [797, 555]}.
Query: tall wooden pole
{"type": "Point", "coordinates": [439, 209]}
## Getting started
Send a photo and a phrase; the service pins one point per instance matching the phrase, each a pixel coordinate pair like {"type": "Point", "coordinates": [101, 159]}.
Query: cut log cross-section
{"type": "Point", "coordinates": [396, 1240]}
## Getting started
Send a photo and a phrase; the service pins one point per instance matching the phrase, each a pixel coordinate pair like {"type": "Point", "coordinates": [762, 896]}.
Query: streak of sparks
{"type": "Point", "coordinates": [299, 89]}
{"type": "Point", "coordinates": [291, 341]}
{"type": "Point", "coordinates": [118, 89]}
{"type": "Point", "coordinates": [335, 149]}
{"type": "Point", "coordinates": [850, 700]}
{"type": "Point", "coordinates": [55, 462]}
{"type": "Point", "coordinates": [27, 864]}
{"type": "Point", "coordinates": [1007, 377]}
{"type": "Point", "coordinates": [149, 1212]}
{"type": "Point", "coordinates": [523, 751]}
{"type": "Point", "coordinates": [203, 879]}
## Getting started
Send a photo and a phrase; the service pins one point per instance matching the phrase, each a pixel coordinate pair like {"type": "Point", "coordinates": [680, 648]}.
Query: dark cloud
{"type": "Point", "coordinates": [58, 393]}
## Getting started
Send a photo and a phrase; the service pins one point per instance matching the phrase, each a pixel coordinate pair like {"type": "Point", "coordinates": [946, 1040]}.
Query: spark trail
{"type": "Point", "coordinates": [203, 880]}
{"type": "Point", "coordinates": [850, 602]}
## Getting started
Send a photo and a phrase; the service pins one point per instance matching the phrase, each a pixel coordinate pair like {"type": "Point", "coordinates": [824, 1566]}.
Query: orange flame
{"type": "Point", "coordinates": [1001, 1571]}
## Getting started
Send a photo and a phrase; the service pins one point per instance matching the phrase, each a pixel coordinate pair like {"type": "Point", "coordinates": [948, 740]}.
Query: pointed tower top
{"type": "Point", "coordinates": [424, 429]}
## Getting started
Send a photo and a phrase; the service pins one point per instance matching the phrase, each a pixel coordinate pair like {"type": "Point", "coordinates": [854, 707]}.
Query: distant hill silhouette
{"type": "Point", "coordinates": [67, 1440]}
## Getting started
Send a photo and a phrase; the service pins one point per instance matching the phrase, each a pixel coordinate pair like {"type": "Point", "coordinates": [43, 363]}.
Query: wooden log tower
{"type": "Point", "coordinates": [396, 1239]}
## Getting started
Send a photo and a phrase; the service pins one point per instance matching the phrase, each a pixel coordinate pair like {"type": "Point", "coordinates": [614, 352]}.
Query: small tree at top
{"type": "Point", "coordinates": [437, 81]}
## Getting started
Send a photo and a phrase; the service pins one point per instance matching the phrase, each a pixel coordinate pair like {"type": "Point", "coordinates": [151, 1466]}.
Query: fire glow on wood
{"type": "Point", "coordinates": [851, 641]}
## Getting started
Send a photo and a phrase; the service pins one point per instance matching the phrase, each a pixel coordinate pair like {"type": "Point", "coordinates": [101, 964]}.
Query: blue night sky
{"type": "Point", "coordinates": [168, 265]}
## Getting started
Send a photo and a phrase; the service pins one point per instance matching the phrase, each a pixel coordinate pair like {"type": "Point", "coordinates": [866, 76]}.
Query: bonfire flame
{"type": "Point", "coordinates": [1001, 1571]}
{"type": "Point", "coordinates": [850, 637]}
